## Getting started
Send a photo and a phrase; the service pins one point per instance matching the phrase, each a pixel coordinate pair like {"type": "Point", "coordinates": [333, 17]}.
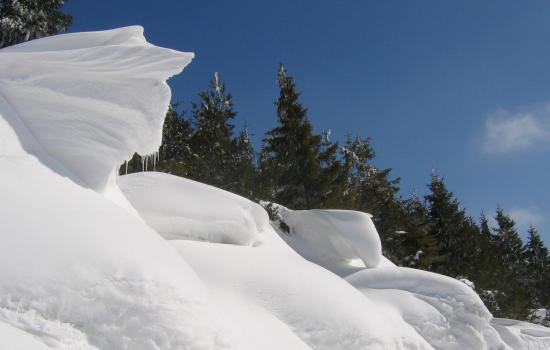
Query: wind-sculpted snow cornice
{"type": "Point", "coordinates": [89, 100]}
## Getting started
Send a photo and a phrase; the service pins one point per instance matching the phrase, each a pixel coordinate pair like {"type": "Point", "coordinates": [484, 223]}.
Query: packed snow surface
{"type": "Point", "coordinates": [167, 263]}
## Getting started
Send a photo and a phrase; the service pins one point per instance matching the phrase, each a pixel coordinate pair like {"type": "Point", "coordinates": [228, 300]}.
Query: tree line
{"type": "Point", "coordinates": [301, 169]}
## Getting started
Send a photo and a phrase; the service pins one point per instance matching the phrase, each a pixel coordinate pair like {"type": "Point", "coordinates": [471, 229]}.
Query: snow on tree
{"type": "Point", "coordinates": [23, 20]}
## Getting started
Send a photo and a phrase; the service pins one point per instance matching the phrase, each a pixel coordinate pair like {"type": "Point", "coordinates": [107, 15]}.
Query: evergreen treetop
{"type": "Point", "coordinates": [293, 158]}
{"type": "Point", "coordinates": [23, 20]}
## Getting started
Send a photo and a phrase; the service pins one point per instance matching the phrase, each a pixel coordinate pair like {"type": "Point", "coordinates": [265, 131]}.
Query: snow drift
{"type": "Point", "coordinates": [84, 265]}
{"type": "Point", "coordinates": [179, 208]}
{"type": "Point", "coordinates": [341, 241]}
{"type": "Point", "coordinates": [89, 101]}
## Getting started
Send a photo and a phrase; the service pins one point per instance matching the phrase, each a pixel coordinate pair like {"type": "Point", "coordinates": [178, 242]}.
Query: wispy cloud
{"type": "Point", "coordinates": [525, 217]}
{"type": "Point", "coordinates": [507, 132]}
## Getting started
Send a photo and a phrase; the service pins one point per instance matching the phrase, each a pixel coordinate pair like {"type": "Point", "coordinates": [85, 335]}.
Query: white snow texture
{"type": "Point", "coordinates": [163, 262]}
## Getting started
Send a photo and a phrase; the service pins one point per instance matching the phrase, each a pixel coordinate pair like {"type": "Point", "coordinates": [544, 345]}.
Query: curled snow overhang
{"type": "Point", "coordinates": [89, 101]}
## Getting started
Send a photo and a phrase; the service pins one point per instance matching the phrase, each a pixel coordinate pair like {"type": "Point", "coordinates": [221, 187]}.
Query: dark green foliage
{"type": "Point", "coordinates": [537, 272]}
{"type": "Point", "coordinates": [514, 300]}
{"type": "Point", "coordinates": [244, 174]}
{"type": "Point", "coordinates": [298, 167]}
{"type": "Point", "coordinates": [457, 233]}
{"type": "Point", "coordinates": [212, 139]}
{"type": "Point", "coordinates": [418, 247]}
{"type": "Point", "coordinates": [23, 20]}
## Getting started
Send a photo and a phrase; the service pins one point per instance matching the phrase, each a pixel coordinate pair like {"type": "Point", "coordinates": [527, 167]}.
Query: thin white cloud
{"type": "Point", "coordinates": [507, 132]}
{"type": "Point", "coordinates": [525, 217]}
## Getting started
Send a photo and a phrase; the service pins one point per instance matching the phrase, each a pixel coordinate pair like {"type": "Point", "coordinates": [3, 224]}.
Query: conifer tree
{"type": "Point", "coordinates": [334, 176]}
{"type": "Point", "coordinates": [451, 227]}
{"type": "Point", "coordinates": [357, 154]}
{"type": "Point", "coordinates": [419, 249]}
{"type": "Point", "coordinates": [486, 266]}
{"type": "Point", "coordinates": [514, 300]}
{"type": "Point", "coordinates": [23, 20]}
{"type": "Point", "coordinates": [175, 154]}
{"type": "Point", "coordinates": [508, 241]}
{"type": "Point", "coordinates": [537, 272]}
{"type": "Point", "coordinates": [213, 140]}
{"type": "Point", "coordinates": [244, 174]}
{"type": "Point", "coordinates": [292, 156]}
{"type": "Point", "coordinates": [371, 190]}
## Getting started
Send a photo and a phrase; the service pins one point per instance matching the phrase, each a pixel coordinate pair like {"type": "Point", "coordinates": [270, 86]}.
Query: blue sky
{"type": "Point", "coordinates": [462, 87]}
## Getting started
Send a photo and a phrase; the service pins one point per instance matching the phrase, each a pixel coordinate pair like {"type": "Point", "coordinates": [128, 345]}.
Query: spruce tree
{"type": "Point", "coordinates": [537, 261]}
{"type": "Point", "coordinates": [244, 175]}
{"type": "Point", "coordinates": [451, 228]}
{"type": "Point", "coordinates": [418, 248]}
{"type": "Point", "coordinates": [508, 241]}
{"type": "Point", "coordinates": [175, 154]}
{"type": "Point", "coordinates": [292, 156]}
{"type": "Point", "coordinates": [357, 155]}
{"type": "Point", "coordinates": [487, 265]}
{"type": "Point", "coordinates": [371, 190]}
{"type": "Point", "coordinates": [514, 299]}
{"type": "Point", "coordinates": [213, 141]}
{"type": "Point", "coordinates": [334, 176]}
{"type": "Point", "coordinates": [23, 20]}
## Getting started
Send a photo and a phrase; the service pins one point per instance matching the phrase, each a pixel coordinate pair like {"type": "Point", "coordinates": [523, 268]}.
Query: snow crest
{"type": "Point", "coordinates": [85, 102]}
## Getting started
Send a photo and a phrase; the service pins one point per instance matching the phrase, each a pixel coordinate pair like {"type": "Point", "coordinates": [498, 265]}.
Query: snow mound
{"type": "Point", "coordinates": [342, 241]}
{"type": "Point", "coordinates": [445, 311]}
{"type": "Point", "coordinates": [86, 102]}
{"type": "Point", "coordinates": [179, 208]}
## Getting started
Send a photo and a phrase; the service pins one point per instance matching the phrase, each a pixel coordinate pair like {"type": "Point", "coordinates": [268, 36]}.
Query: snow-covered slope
{"type": "Point", "coordinates": [169, 263]}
